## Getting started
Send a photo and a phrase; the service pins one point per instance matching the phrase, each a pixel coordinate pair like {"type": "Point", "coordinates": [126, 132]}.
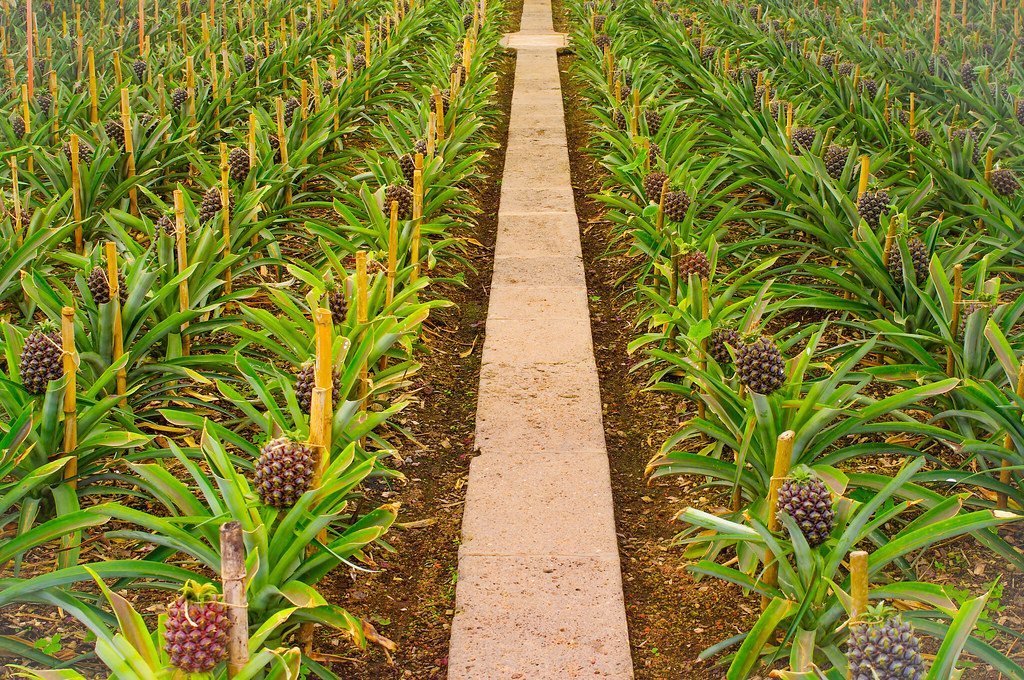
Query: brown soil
{"type": "Point", "coordinates": [410, 599]}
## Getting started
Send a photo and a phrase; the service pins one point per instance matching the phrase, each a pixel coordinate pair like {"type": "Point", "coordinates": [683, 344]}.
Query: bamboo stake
{"type": "Point", "coordinates": [417, 215]}
{"type": "Point", "coordinates": [865, 173]}
{"type": "Point", "coordinates": [440, 115]}
{"type": "Point", "coordinates": [67, 326]}
{"type": "Point", "coordinates": [129, 149]}
{"type": "Point", "coordinates": [783, 453]}
{"type": "Point", "coordinates": [232, 576]}
{"type": "Point", "coordinates": [392, 255]}
{"type": "Point", "coordinates": [858, 585]}
{"type": "Point", "coordinates": [1004, 474]}
{"type": "Point", "coordinates": [225, 205]}
{"type": "Point", "coordinates": [954, 325]}
{"type": "Point", "coordinates": [183, 295]}
{"type": "Point", "coordinates": [115, 299]}
{"type": "Point", "coordinates": [26, 115]}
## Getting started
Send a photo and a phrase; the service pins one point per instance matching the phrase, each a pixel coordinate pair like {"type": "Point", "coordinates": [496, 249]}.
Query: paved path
{"type": "Point", "coordinates": [539, 594]}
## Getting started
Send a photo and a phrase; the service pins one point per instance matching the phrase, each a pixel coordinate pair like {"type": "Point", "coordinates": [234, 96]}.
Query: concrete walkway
{"type": "Point", "coordinates": [539, 594]}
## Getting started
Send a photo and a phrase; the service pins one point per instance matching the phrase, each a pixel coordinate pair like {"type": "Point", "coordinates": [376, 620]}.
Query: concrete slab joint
{"type": "Point", "coordinates": [539, 592]}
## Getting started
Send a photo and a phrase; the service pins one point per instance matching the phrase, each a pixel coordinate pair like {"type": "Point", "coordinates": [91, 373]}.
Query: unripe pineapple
{"type": "Point", "coordinates": [337, 301]}
{"type": "Point", "coordinates": [760, 366]}
{"type": "Point", "coordinates": [835, 160]}
{"type": "Point", "coordinates": [99, 286]}
{"type": "Point", "coordinates": [166, 225]}
{"type": "Point", "coordinates": [358, 62]}
{"type": "Point", "coordinates": [238, 162]}
{"type": "Point", "coordinates": [694, 261]}
{"type": "Point", "coordinates": [289, 110]}
{"type": "Point", "coordinates": [872, 205]}
{"type": "Point", "coordinates": [284, 472]}
{"type": "Point", "coordinates": [923, 137]}
{"type": "Point", "coordinates": [803, 138]}
{"type": "Point", "coordinates": [17, 126]}
{"type": "Point", "coordinates": [845, 69]}
{"type": "Point", "coordinates": [918, 261]}
{"type": "Point", "coordinates": [869, 88]}
{"type": "Point", "coordinates": [327, 87]}
{"type": "Point", "coordinates": [84, 152]}
{"type": "Point", "coordinates": [178, 98]}
{"type": "Point", "coordinates": [139, 67]}
{"type": "Point", "coordinates": [719, 342]}
{"type": "Point", "coordinates": [1004, 182]}
{"type": "Point", "coordinates": [603, 41]}
{"type": "Point", "coordinates": [883, 647]}
{"type": "Point", "coordinates": [653, 153]}
{"type": "Point", "coordinates": [401, 194]}
{"type": "Point", "coordinates": [248, 62]}
{"type": "Point", "coordinates": [196, 630]}
{"type": "Point", "coordinates": [968, 75]}
{"type": "Point", "coordinates": [621, 122]}
{"type": "Point", "coordinates": [960, 137]}
{"type": "Point", "coordinates": [149, 123]}
{"type": "Point", "coordinates": [677, 202]}
{"type": "Point", "coordinates": [305, 381]}
{"type": "Point", "coordinates": [599, 20]}
{"type": "Point", "coordinates": [42, 358]}
{"type": "Point", "coordinates": [212, 203]}
{"type": "Point", "coordinates": [44, 101]}
{"type": "Point", "coordinates": [115, 130]}
{"type": "Point", "coordinates": [654, 184]}
{"type": "Point", "coordinates": [707, 55]}
{"type": "Point", "coordinates": [808, 501]}
{"type": "Point", "coordinates": [653, 120]}
{"type": "Point", "coordinates": [1020, 112]}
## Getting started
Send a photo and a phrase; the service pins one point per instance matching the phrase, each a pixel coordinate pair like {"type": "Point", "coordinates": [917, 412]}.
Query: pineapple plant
{"type": "Point", "coordinates": [883, 647]}
{"type": "Point", "coordinates": [693, 260]}
{"type": "Point", "coordinates": [654, 183]}
{"type": "Point", "coordinates": [760, 366]}
{"type": "Point", "coordinates": [1004, 182]}
{"type": "Point", "coordinates": [677, 203]}
{"type": "Point", "coordinates": [99, 286]}
{"type": "Point", "coordinates": [196, 629]}
{"type": "Point", "coordinates": [719, 342]}
{"type": "Point", "coordinates": [284, 471]}
{"type": "Point", "coordinates": [178, 98]}
{"type": "Point", "coordinates": [289, 110]}
{"type": "Point", "coordinates": [238, 163]}
{"type": "Point", "coordinates": [968, 75]}
{"type": "Point", "coordinates": [872, 205]}
{"type": "Point", "coordinates": [807, 499]}
{"type": "Point", "coordinates": [401, 194]}
{"type": "Point", "coordinates": [960, 137]}
{"type": "Point", "coordinates": [835, 160]}
{"type": "Point", "coordinates": [84, 152]}
{"type": "Point", "coordinates": [115, 131]}
{"type": "Point", "coordinates": [918, 261]}
{"type": "Point", "coordinates": [305, 381]}
{"type": "Point", "coordinates": [212, 203]}
{"type": "Point", "coordinates": [803, 138]}
{"type": "Point", "coordinates": [42, 358]}
{"type": "Point", "coordinates": [18, 126]}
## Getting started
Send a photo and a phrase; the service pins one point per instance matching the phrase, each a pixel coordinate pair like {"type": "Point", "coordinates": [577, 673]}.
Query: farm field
{"type": "Point", "coordinates": [287, 288]}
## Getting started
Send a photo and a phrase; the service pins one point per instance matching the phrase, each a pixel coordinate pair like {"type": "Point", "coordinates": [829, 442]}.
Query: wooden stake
{"type": "Point", "coordinates": [232, 576]}
{"type": "Point", "coordinates": [67, 331]}
{"type": "Point", "coordinates": [225, 204]}
{"type": "Point", "coordinates": [115, 299]}
{"type": "Point", "coordinates": [865, 174]}
{"type": "Point", "coordinates": [417, 215]}
{"type": "Point", "coordinates": [783, 454]}
{"type": "Point", "coordinates": [1004, 474]}
{"type": "Point", "coordinates": [858, 585]}
{"type": "Point", "coordinates": [184, 304]}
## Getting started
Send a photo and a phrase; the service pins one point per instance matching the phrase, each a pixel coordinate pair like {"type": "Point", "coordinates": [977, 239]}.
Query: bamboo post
{"type": "Point", "coordinates": [865, 174]}
{"type": "Point", "coordinates": [252, 138]}
{"type": "Point", "coordinates": [142, 27]}
{"type": "Point", "coordinates": [183, 295]}
{"type": "Point", "coordinates": [954, 324]}
{"type": "Point", "coordinates": [190, 74]}
{"type": "Point", "coordinates": [440, 117]}
{"type": "Point", "coordinates": [67, 332]}
{"type": "Point", "coordinates": [858, 585]}
{"type": "Point", "coordinates": [118, 77]}
{"type": "Point", "coordinates": [431, 125]}
{"type": "Point", "coordinates": [1004, 474]}
{"type": "Point", "coordinates": [392, 254]}
{"type": "Point", "coordinates": [417, 215]}
{"type": "Point", "coordinates": [361, 317]}
{"type": "Point", "coordinates": [282, 143]}
{"type": "Point", "coordinates": [783, 453]}
{"type": "Point", "coordinates": [225, 205]}
{"type": "Point", "coordinates": [26, 114]}
{"type": "Point", "coordinates": [129, 149]}
{"type": "Point", "coordinates": [76, 194]}
{"type": "Point", "coordinates": [115, 299]}
{"type": "Point", "coordinates": [31, 76]}
{"type": "Point", "coordinates": [232, 576]}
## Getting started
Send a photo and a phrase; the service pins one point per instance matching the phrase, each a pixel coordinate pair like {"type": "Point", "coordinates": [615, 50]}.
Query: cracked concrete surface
{"type": "Point", "coordinates": [539, 593]}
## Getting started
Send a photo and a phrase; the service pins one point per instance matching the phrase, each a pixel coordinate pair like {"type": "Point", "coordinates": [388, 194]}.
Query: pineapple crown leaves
{"type": "Point", "coordinates": [877, 614]}
{"type": "Point", "coordinates": [196, 592]}
{"type": "Point", "coordinates": [802, 474]}
{"type": "Point", "coordinates": [47, 327]}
